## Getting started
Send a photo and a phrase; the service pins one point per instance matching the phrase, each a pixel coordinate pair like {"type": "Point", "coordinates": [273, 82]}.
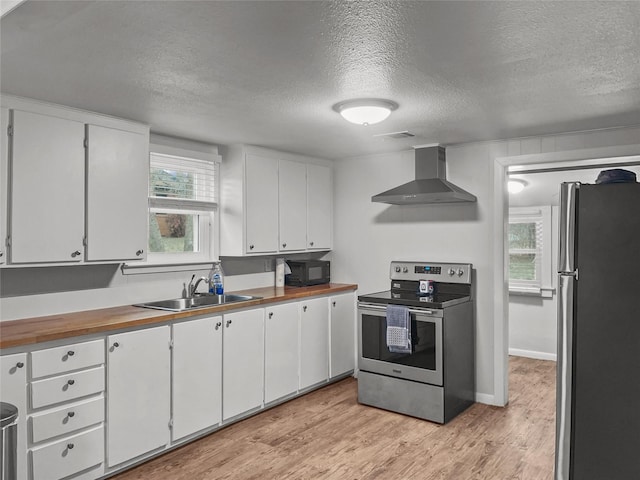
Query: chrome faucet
{"type": "Point", "coordinates": [194, 288]}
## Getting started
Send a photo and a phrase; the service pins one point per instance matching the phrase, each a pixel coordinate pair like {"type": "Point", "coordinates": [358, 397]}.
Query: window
{"type": "Point", "coordinates": [529, 249]}
{"type": "Point", "coordinates": [182, 205]}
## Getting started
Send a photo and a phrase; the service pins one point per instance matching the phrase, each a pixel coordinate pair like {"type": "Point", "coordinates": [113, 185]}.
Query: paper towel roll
{"type": "Point", "coordinates": [279, 272]}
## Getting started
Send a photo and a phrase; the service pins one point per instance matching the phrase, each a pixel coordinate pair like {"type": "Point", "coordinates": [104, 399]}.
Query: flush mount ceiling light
{"type": "Point", "coordinates": [516, 185]}
{"type": "Point", "coordinates": [365, 111]}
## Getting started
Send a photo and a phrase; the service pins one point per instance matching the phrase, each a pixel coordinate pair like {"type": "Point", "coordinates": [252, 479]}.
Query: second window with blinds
{"type": "Point", "coordinates": [183, 186]}
{"type": "Point", "coordinates": [529, 239]}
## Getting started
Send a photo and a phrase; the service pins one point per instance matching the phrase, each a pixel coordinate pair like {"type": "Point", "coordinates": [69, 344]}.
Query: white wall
{"type": "Point", "coordinates": [533, 319]}
{"type": "Point", "coordinates": [367, 236]}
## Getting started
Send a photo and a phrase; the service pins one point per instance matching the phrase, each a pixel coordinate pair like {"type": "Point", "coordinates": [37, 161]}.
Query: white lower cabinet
{"type": "Point", "coordinates": [281, 351]}
{"type": "Point", "coordinates": [342, 327]}
{"type": "Point", "coordinates": [68, 456]}
{"type": "Point", "coordinates": [243, 362]}
{"type": "Point", "coordinates": [138, 393]}
{"type": "Point", "coordinates": [314, 342]}
{"type": "Point", "coordinates": [13, 388]}
{"type": "Point", "coordinates": [197, 376]}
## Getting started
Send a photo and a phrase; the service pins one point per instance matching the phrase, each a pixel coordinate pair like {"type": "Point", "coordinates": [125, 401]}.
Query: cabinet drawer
{"type": "Point", "coordinates": [67, 358]}
{"type": "Point", "coordinates": [67, 387]}
{"type": "Point", "coordinates": [69, 455]}
{"type": "Point", "coordinates": [64, 420]}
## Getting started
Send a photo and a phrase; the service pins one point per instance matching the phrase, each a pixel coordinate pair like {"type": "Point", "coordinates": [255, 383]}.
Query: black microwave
{"type": "Point", "coordinates": [308, 272]}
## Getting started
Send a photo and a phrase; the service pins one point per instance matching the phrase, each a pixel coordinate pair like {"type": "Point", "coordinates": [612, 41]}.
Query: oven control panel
{"type": "Point", "coordinates": [439, 272]}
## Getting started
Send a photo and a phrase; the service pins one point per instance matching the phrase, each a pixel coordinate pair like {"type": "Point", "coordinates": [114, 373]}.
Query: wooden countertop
{"type": "Point", "coordinates": [28, 331]}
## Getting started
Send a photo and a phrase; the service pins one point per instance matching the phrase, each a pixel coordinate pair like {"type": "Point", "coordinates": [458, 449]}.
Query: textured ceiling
{"type": "Point", "coordinates": [267, 73]}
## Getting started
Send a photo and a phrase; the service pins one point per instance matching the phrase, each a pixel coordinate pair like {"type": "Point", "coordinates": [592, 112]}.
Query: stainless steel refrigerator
{"type": "Point", "coordinates": [598, 389]}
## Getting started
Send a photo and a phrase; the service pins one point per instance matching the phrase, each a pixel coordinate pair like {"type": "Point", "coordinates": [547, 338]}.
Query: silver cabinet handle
{"type": "Point", "coordinates": [75, 254]}
{"type": "Point", "coordinates": [1, 254]}
{"type": "Point", "coordinates": [311, 243]}
{"type": "Point", "coordinates": [304, 309]}
{"type": "Point", "coordinates": [71, 353]}
{"type": "Point", "coordinates": [333, 303]}
{"type": "Point", "coordinates": [251, 247]}
{"type": "Point", "coordinates": [139, 252]}
{"type": "Point", "coordinates": [270, 314]}
{"type": "Point", "coordinates": [71, 382]}
{"type": "Point", "coordinates": [20, 364]}
{"type": "Point", "coordinates": [228, 323]}
{"type": "Point", "coordinates": [71, 414]}
{"type": "Point", "coordinates": [116, 344]}
{"type": "Point", "coordinates": [284, 245]}
{"type": "Point", "coordinates": [218, 325]}
{"type": "Point", "coordinates": [70, 446]}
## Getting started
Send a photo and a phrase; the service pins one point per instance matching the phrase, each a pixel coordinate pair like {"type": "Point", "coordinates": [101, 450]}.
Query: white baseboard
{"type": "Point", "coordinates": [486, 399]}
{"type": "Point", "coordinates": [516, 352]}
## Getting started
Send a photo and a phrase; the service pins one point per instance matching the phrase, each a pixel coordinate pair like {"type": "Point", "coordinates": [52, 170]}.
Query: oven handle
{"type": "Point", "coordinates": [371, 306]}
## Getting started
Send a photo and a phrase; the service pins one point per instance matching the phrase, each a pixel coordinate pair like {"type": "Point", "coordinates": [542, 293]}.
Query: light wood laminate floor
{"type": "Point", "coordinates": [328, 435]}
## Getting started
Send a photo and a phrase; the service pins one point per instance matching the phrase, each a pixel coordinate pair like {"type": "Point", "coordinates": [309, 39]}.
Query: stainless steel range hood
{"type": "Point", "coordinates": [430, 185]}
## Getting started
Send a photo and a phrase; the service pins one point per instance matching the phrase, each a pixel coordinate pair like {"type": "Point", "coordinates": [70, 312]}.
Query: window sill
{"type": "Point", "coordinates": [147, 268]}
{"type": "Point", "coordinates": [544, 292]}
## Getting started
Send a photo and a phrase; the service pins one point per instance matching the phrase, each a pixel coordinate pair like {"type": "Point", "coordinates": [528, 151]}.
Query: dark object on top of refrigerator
{"type": "Point", "coordinates": [598, 387]}
{"type": "Point", "coordinates": [616, 175]}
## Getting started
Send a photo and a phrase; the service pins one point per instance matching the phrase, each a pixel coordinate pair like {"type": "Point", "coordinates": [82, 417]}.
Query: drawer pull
{"type": "Point", "coordinates": [116, 344]}
{"type": "Point", "coordinates": [71, 382]}
{"type": "Point", "coordinates": [139, 252]}
{"type": "Point", "coordinates": [304, 309]}
{"type": "Point", "coordinates": [20, 364]}
{"type": "Point", "coordinates": [270, 314]}
{"type": "Point", "coordinates": [71, 414]}
{"type": "Point", "coordinates": [228, 323]}
{"type": "Point", "coordinates": [218, 325]}
{"type": "Point", "coordinates": [71, 353]}
{"type": "Point", "coordinates": [75, 254]}
{"type": "Point", "coordinates": [70, 446]}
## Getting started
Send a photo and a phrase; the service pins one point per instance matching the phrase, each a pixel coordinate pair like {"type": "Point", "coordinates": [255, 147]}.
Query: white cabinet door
{"type": "Point", "coordinates": [319, 207]}
{"type": "Point", "coordinates": [197, 375]}
{"type": "Point", "coordinates": [292, 205]}
{"type": "Point", "coordinates": [4, 159]}
{"type": "Point", "coordinates": [243, 362]}
{"type": "Point", "coordinates": [138, 393]}
{"type": "Point", "coordinates": [281, 351]}
{"type": "Point", "coordinates": [47, 189]}
{"type": "Point", "coordinates": [314, 342]}
{"type": "Point", "coordinates": [342, 310]}
{"type": "Point", "coordinates": [261, 195]}
{"type": "Point", "coordinates": [13, 389]}
{"type": "Point", "coordinates": [117, 193]}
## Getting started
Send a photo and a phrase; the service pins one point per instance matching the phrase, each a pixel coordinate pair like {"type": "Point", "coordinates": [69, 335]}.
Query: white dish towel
{"type": "Point", "coordinates": [398, 329]}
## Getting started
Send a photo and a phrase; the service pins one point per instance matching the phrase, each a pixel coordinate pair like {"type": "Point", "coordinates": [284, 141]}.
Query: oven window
{"type": "Point", "coordinates": [423, 341]}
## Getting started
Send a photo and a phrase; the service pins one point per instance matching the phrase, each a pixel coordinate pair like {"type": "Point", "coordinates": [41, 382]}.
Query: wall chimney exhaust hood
{"type": "Point", "coordinates": [430, 185]}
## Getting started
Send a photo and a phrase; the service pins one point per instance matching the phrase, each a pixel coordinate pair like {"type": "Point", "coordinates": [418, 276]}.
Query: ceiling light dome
{"type": "Point", "coordinates": [516, 185]}
{"type": "Point", "coordinates": [365, 111]}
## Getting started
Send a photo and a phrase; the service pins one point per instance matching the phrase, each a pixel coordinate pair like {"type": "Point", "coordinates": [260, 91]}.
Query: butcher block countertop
{"type": "Point", "coordinates": [28, 331]}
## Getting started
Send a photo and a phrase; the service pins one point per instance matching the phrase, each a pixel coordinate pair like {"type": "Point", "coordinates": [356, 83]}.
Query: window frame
{"type": "Point", "coordinates": [543, 286]}
{"type": "Point", "coordinates": [208, 211]}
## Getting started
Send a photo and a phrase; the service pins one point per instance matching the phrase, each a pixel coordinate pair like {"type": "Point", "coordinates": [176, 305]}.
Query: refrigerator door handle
{"type": "Point", "coordinates": [564, 376]}
{"type": "Point", "coordinates": [568, 205]}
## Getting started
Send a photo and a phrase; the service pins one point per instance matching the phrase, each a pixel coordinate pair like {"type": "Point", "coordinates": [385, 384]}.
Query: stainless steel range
{"type": "Point", "coordinates": [432, 376]}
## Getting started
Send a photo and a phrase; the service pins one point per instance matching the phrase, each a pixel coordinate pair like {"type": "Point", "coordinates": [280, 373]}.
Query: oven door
{"type": "Point", "coordinates": [423, 364]}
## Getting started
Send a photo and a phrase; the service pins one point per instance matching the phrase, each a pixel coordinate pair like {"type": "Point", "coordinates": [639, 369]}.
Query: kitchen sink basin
{"type": "Point", "coordinates": [198, 301]}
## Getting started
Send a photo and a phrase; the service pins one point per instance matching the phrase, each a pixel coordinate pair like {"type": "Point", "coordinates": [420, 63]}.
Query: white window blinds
{"type": "Point", "coordinates": [182, 183]}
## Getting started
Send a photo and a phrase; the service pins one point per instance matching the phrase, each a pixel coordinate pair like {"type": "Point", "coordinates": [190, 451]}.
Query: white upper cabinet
{"type": "Point", "coordinates": [261, 204]}
{"type": "Point", "coordinates": [76, 185]}
{"type": "Point", "coordinates": [271, 202]}
{"type": "Point", "coordinates": [292, 205]}
{"type": "Point", "coordinates": [319, 207]}
{"type": "Point", "coordinates": [117, 192]}
{"type": "Point", "coordinates": [47, 189]}
{"type": "Point", "coordinates": [4, 159]}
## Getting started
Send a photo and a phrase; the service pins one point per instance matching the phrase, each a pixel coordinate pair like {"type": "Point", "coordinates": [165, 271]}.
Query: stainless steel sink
{"type": "Point", "coordinates": [198, 301]}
